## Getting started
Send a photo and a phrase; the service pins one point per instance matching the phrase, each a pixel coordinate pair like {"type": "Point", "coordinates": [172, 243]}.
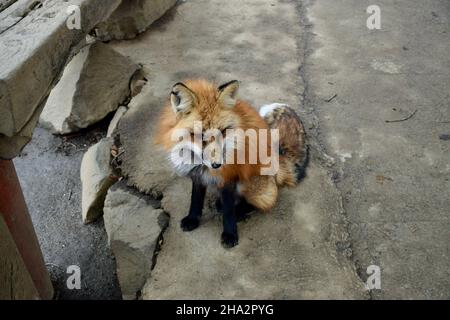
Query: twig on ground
{"type": "Point", "coordinates": [403, 119]}
{"type": "Point", "coordinates": [330, 99]}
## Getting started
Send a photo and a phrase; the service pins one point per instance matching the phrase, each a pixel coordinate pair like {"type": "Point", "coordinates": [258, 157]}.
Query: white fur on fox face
{"type": "Point", "coordinates": [189, 153]}
{"type": "Point", "coordinates": [184, 165]}
{"type": "Point", "coordinates": [185, 156]}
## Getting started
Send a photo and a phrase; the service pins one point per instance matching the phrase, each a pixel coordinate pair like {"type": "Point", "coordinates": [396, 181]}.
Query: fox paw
{"type": "Point", "coordinates": [189, 223]}
{"type": "Point", "coordinates": [229, 240]}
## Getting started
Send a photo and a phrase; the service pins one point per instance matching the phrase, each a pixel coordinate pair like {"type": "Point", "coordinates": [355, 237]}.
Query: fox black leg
{"type": "Point", "coordinates": [229, 234]}
{"type": "Point", "coordinates": [243, 208]}
{"type": "Point", "coordinates": [219, 206]}
{"type": "Point", "coordinates": [192, 220]}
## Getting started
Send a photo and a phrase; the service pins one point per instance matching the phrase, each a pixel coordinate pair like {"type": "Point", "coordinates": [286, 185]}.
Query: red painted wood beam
{"type": "Point", "coordinates": [15, 213]}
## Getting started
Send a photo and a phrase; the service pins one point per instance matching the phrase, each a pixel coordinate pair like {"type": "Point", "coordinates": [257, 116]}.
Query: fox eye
{"type": "Point", "coordinates": [224, 130]}
{"type": "Point", "coordinates": [196, 135]}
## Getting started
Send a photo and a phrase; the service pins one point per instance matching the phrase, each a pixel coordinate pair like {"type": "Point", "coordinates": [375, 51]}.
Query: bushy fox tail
{"type": "Point", "coordinates": [293, 149]}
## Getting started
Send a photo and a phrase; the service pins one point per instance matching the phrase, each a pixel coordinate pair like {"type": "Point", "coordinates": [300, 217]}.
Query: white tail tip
{"type": "Point", "coordinates": [268, 108]}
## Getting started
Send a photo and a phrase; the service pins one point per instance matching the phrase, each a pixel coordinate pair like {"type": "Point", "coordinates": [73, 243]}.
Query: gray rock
{"type": "Point", "coordinates": [131, 18]}
{"type": "Point", "coordinates": [93, 84]}
{"type": "Point", "coordinates": [96, 178]}
{"type": "Point", "coordinates": [137, 82]}
{"type": "Point", "coordinates": [134, 227]}
{"type": "Point", "coordinates": [11, 146]}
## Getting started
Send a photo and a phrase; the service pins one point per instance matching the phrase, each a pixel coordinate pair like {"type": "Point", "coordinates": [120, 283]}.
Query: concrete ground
{"type": "Point", "coordinates": [301, 249]}
{"type": "Point", "coordinates": [391, 178]}
{"type": "Point", "coordinates": [394, 177]}
{"type": "Point", "coordinates": [49, 172]}
{"type": "Point", "coordinates": [376, 192]}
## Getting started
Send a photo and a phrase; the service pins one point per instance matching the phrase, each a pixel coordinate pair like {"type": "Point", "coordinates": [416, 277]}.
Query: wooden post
{"type": "Point", "coordinates": [15, 280]}
{"type": "Point", "coordinates": [16, 216]}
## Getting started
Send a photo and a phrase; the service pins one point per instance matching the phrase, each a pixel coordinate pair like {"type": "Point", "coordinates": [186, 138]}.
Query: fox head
{"type": "Point", "coordinates": [204, 114]}
{"type": "Point", "coordinates": [199, 128]}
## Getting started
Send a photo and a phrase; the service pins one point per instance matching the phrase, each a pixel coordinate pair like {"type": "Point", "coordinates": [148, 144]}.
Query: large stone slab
{"type": "Point", "coordinates": [34, 45]}
{"type": "Point", "coordinates": [93, 84]}
{"type": "Point", "coordinates": [131, 18]}
{"type": "Point", "coordinates": [134, 228]}
{"type": "Point", "coordinates": [10, 147]}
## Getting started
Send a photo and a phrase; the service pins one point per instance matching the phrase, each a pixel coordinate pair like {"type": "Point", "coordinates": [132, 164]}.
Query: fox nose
{"type": "Point", "coordinates": [215, 165]}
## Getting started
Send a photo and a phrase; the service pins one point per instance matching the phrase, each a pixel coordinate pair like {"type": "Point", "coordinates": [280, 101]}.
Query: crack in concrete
{"type": "Point", "coordinates": [159, 243]}
{"type": "Point", "coordinates": [153, 202]}
{"type": "Point", "coordinates": [342, 239]}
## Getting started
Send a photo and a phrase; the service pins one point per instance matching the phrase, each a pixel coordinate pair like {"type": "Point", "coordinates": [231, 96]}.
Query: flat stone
{"type": "Point", "coordinates": [131, 18]}
{"type": "Point", "coordinates": [134, 228]}
{"type": "Point", "coordinates": [93, 84]}
{"type": "Point", "coordinates": [148, 172]}
{"type": "Point", "coordinates": [96, 178]}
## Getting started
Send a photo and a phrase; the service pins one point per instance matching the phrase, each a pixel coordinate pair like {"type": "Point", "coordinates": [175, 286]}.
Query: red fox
{"type": "Point", "coordinates": [222, 142]}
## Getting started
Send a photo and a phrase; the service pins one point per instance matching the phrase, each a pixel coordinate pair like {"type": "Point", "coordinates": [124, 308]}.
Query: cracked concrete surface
{"type": "Point", "coordinates": [391, 179]}
{"type": "Point", "coordinates": [289, 253]}
{"type": "Point", "coordinates": [394, 176]}
{"type": "Point", "coordinates": [301, 249]}
{"type": "Point", "coordinates": [382, 196]}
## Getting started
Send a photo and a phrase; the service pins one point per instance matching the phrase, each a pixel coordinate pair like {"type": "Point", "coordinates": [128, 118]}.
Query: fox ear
{"type": "Point", "coordinates": [228, 92]}
{"type": "Point", "coordinates": [181, 98]}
